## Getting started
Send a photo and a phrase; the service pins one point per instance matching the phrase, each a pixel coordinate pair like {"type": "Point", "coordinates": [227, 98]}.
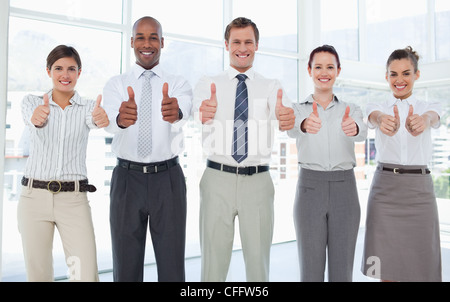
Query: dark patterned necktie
{"type": "Point", "coordinates": [240, 135]}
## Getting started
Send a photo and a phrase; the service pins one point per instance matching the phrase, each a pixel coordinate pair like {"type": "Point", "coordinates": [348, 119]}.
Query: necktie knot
{"type": "Point", "coordinates": [241, 77]}
{"type": "Point", "coordinates": [147, 74]}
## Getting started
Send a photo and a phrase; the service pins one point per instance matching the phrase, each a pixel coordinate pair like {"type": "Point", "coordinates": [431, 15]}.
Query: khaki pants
{"type": "Point", "coordinates": [223, 196]}
{"type": "Point", "coordinates": [39, 211]}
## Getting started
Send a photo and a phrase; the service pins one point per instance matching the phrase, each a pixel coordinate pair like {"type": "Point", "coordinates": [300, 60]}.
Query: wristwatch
{"type": "Point", "coordinates": [180, 114]}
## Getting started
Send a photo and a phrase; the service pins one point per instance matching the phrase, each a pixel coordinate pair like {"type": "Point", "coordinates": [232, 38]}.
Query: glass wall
{"type": "Point", "coordinates": [395, 24]}
{"type": "Point", "coordinates": [442, 32]}
{"type": "Point", "coordinates": [194, 47]}
{"type": "Point", "coordinates": [341, 29]}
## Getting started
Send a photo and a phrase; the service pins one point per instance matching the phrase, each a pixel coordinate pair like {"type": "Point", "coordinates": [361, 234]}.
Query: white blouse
{"type": "Point", "coordinates": [403, 148]}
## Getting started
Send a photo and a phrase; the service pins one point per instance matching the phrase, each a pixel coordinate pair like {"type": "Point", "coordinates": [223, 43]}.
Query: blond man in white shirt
{"type": "Point", "coordinates": [237, 181]}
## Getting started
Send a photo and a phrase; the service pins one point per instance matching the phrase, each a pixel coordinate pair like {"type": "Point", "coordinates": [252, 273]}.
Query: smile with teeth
{"type": "Point", "coordinates": [64, 82]}
{"type": "Point", "coordinates": [400, 87]}
{"type": "Point", "coordinates": [242, 56]}
{"type": "Point", "coordinates": [324, 80]}
{"type": "Point", "coordinates": [147, 53]}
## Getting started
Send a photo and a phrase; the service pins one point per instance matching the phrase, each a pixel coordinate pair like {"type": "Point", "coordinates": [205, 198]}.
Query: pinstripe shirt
{"type": "Point", "coordinates": [58, 149]}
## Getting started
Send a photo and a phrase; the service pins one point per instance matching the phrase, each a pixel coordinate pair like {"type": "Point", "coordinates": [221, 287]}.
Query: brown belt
{"type": "Point", "coordinates": [55, 186]}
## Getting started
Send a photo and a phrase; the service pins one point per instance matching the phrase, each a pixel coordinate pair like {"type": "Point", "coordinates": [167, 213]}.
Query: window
{"type": "Point", "coordinates": [196, 18]}
{"type": "Point", "coordinates": [341, 29]}
{"type": "Point", "coordinates": [279, 31]}
{"type": "Point", "coordinates": [442, 32]}
{"type": "Point", "coordinates": [395, 24]}
{"type": "Point", "coordinates": [99, 10]}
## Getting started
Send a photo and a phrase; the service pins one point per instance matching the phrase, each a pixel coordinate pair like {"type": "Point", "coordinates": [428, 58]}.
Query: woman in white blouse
{"type": "Point", "coordinates": [402, 240]}
{"type": "Point", "coordinates": [55, 185]}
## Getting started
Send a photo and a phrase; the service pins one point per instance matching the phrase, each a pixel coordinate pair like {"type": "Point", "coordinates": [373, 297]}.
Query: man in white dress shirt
{"type": "Point", "coordinates": [148, 185]}
{"type": "Point", "coordinates": [237, 181]}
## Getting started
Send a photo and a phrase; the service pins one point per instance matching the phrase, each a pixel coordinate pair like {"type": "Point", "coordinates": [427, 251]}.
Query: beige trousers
{"type": "Point", "coordinates": [39, 211]}
{"type": "Point", "coordinates": [223, 196]}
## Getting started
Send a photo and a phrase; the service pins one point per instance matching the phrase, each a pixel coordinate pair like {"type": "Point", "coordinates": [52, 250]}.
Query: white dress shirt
{"type": "Point", "coordinates": [403, 148]}
{"type": "Point", "coordinates": [167, 138]}
{"type": "Point", "coordinates": [330, 149]}
{"type": "Point", "coordinates": [58, 149]}
{"type": "Point", "coordinates": [262, 122]}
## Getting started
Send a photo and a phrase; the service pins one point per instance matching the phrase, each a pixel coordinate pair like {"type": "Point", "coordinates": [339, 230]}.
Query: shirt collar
{"type": "Point", "coordinates": [138, 70]}
{"type": "Point", "coordinates": [310, 99]}
{"type": "Point", "coordinates": [76, 98]}
{"type": "Point", "coordinates": [232, 73]}
{"type": "Point", "coordinates": [394, 101]}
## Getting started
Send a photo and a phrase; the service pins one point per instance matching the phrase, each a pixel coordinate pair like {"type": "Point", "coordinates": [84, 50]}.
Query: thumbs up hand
{"type": "Point", "coordinates": [128, 111]}
{"type": "Point", "coordinates": [285, 115]}
{"type": "Point", "coordinates": [348, 124]}
{"type": "Point", "coordinates": [41, 113]}
{"type": "Point", "coordinates": [389, 124]}
{"type": "Point", "coordinates": [99, 115]}
{"type": "Point", "coordinates": [415, 124]}
{"type": "Point", "coordinates": [313, 123]}
{"type": "Point", "coordinates": [169, 106]}
{"type": "Point", "coordinates": [209, 107]}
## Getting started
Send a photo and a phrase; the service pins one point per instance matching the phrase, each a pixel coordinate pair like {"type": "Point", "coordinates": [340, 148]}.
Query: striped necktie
{"type": "Point", "coordinates": [240, 135]}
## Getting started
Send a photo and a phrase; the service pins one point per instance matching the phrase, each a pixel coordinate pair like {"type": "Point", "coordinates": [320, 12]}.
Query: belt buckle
{"type": "Point", "coordinates": [147, 171]}
{"type": "Point", "coordinates": [51, 191]}
{"type": "Point", "coordinates": [396, 171]}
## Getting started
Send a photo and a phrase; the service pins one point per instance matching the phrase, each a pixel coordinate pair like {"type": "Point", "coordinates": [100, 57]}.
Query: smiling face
{"type": "Point", "coordinates": [147, 42]}
{"type": "Point", "coordinates": [324, 71]}
{"type": "Point", "coordinates": [401, 77]}
{"type": "Point", "coordinates": [64, 74]}
{"type": "Point", "coordinates": [242, 46]}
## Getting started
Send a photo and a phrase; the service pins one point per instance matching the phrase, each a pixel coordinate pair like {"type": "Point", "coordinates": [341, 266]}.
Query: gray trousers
{"type": "Point", "coordinates": [139, 200]}
{"type": "Point", "coordinates": [326, 216]}
{"type": "Point", "coordinates": [223, 196]}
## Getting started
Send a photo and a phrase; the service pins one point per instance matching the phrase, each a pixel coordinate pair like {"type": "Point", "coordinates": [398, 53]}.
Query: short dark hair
{"type": "Point", "coordinates": [405, 53]}
{"type": "Point", "coordinates": [241, 22]}
{"type": "Point", "coordinates": [146, 18]}
{"type": "Point", "coordinates": [63, 51]}
{"type": "Point", "coordinates": [324, 48]}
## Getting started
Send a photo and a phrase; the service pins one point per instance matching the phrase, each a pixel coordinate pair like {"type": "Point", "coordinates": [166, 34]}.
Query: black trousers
{"type": "Point", "coordinates": [156, 200]}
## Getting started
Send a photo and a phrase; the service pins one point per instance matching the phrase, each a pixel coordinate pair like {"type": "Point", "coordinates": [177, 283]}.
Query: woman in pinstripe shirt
{"type": "Point", "coordinates": [55, 184]}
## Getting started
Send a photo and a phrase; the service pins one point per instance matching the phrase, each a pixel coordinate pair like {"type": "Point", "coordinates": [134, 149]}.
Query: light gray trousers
{"type": "Point", "coordinates": [223, 196]}
{"type": "Point", "coordinates": [326, 216]}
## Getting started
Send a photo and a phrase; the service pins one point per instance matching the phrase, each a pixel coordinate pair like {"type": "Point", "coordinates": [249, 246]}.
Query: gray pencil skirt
{"type": "Point", "coordinates": [402, 240]}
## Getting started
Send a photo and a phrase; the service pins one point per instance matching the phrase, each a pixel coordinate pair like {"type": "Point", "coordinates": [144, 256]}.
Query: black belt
{"type": "Point", "coordinates": [237, 170]}
{"type": "Point", "coordinates": [55, 186]}
{"type": "Point", "coordinates": [407, 171]}
{"type": "Point", "coordinates": [151, 168]}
